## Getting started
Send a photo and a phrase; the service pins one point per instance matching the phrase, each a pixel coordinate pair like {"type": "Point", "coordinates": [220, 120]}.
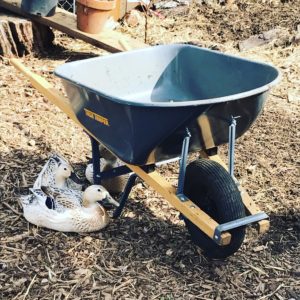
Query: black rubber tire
{"type": "Point", "coordinates": [212, 189]}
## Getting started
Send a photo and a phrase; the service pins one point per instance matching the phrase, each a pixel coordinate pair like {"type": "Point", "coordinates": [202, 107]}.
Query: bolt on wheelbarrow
{"type": "Point", "coordinates": [161, 103]}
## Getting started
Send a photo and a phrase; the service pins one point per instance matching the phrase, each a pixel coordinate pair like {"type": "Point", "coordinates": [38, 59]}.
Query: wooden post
{"type": "Point", "coordinates": [19, 36]}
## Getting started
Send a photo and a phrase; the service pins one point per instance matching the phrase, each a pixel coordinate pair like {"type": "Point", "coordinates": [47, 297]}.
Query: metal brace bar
{"type": "Point", "coordinates": [130, 183]}
{"type": "Point", "coordinates": [115, 172]}
{"type": "Point", "coordinates": [232, 133]}
{"type": "Point", "coordinates": [96, 161]}
{"type": "Point", "coordinates": [238, 223]}
{"type": "Point", "coordinates": [182, 166]}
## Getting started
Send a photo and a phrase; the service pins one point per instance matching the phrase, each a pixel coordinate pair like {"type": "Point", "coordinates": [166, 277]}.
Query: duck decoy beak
{"type": "Point", "coordinates": [110, 199]}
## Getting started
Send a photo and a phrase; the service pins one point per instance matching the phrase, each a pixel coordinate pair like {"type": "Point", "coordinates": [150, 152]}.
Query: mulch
{"type": "Point", "coordinates": [147, 253]}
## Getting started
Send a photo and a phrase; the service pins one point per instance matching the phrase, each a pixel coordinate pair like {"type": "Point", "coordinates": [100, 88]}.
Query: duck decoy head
{"type": "Point", "coordinates": [63, 171]}
{"type": "Point", "coordinates": [97, 193]}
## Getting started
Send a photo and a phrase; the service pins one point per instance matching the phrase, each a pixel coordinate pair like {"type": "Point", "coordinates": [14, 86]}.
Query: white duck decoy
{"type": "Point", "coordinates": [108, 161]}
{"type": "Point", "coordinates": [57, 172]}
{"type": "Point", "coordinates": [67, 210]}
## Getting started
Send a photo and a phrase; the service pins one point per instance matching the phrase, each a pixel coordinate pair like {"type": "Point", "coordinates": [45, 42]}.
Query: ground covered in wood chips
{"type": "Point", "coordinates": [147, 253]}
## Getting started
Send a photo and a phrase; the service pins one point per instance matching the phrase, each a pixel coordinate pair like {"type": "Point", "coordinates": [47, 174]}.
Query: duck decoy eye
{"type": "Point", "coordinates": [99, 190]}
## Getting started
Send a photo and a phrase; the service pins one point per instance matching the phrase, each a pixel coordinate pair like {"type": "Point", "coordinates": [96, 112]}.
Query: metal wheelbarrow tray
{"type": "Point", "coordinates": [162, 102]}
{"type": "Point", "coordinates": [139, 103]}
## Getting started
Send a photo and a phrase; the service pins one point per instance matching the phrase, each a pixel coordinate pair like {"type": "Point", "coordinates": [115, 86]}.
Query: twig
{"type": "Point", "coordinates": [16, 238]}
{"type": "Point", "coordinates": [72, 289]}
{"type": "Point", "coordinates": [11, 248]}
{"type": "Point", "coordinates": [146, 8]}
{"type": "Point", "coordinates": [29, 287]}
{"type": "Point", "coordinates": [121, 285]}
{"type": "Point", "coordinates": [70, 250]}
{"type": "Point", "coordinates": [12, 209]}
{"type": "Point", "coordinates": [271, 294]}
{"type": "Point", "coordinates": [258, 270]}
{"type": "Point", "coordinates": [78, 283]}
{"type": "Point", "coordinates": [48, 256]}
{"type": "Point", "coordinates": [278, 96]}
{"type": "Point", "coordinates": [18, 295]}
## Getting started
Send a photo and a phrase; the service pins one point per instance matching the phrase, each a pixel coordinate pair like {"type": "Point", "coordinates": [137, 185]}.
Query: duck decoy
{"type": "Point", "coordinates": [67, 210]}
{"type": "Point", "coordinates": [57, 172]}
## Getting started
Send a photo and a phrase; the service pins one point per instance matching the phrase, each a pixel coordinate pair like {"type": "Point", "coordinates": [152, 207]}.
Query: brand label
{"type": "Point", "coordinates": [96, 117]}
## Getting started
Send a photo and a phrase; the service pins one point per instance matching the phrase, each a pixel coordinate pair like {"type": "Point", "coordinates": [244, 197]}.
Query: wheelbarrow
{"type": "Point", "coordinates": [159, 104]}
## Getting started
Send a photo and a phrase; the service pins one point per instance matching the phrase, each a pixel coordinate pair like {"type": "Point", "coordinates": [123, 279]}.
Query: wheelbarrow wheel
{"type": "Point", "coordinates": [211, 188]}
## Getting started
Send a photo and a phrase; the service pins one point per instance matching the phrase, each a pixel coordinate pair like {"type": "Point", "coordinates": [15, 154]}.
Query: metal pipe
{"type": "Point", "coordinates": [96, 161]}
{"type": "Point", "coordinates": [124, 196]}
{"type": "Point", "coordinates": [182, 165]}
{"type": "Point", "coordinates": [232, 132]}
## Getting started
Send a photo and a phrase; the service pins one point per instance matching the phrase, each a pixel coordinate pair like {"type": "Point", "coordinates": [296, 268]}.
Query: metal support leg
{"type": "Point", "coordinates": [182, 165]}
{"type": "Point", "coordinates": [96, 161]}
{"type": "Point", "coordinates": [232, 130]}
{"type": "Point", "coordinates": [124, 196]}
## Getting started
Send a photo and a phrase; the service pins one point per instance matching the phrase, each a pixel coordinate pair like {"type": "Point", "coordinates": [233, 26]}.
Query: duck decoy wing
{"type": "Point", "coordinates": [46, 177]}
{"type": "Point", "coordinates": [42, 198]}
{"type": "Point", "coordinates": [41, 177]}
{"type": "Point", "coordinates": [63, 198]}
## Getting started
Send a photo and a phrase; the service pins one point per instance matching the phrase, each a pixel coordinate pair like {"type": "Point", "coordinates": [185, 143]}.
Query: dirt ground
{"type": "Point", "coordinates": [147, 254]}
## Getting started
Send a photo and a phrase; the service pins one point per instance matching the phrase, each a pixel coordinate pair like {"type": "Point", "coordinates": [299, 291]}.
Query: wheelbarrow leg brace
{"type": "Point", "coordinates": [96, 161]}
{"type": "Point", "coordinates": [123, 199]}
{"type": "Point", "coordinates": [182, 166]}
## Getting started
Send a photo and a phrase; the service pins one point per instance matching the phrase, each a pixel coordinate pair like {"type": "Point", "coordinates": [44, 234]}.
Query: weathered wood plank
{"type": "Point", "coordinates": [64, 21]}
